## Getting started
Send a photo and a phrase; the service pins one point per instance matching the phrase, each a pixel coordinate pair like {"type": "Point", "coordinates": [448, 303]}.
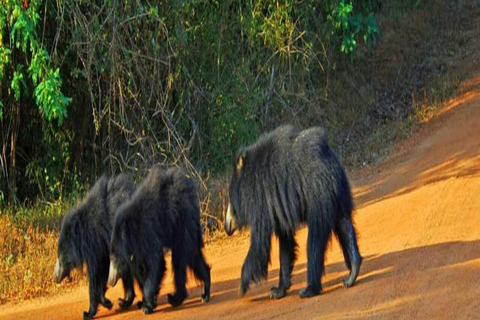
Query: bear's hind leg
{"type": "Point", "coordinates": [201, 270]}
{"type": "Point", "coordinates": [344, 245]}
{"type": "Point", "coordinates": [348, 240]}
{"type": "Point", "coordinates": [287, 260]}
{"type": "Point", "coordinates": [318, 235]}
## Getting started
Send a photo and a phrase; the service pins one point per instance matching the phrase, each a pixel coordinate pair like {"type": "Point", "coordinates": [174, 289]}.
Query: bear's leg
{"type": "Point", "coordinates": [97, 286]}
{"type": "Point", "coordinates": [201, 270]}
{"type": "Point", "coordinates": [94, 300]}
{"type": "Point", "coordinates": [152, 283]}
{"type": "Point", "coordinates": [140, 282]}
{"type": "Point", "coordinates": [287, 260]}
{"type": "Point", "coordinates": [348, 240]}
{"type": "Point", "coordinates": [180, 273]}
{"type": "Point", "coordinates": [344, 245]}
{"type": "Point", "coordinates": [102, 287]}
{"type": "Point", "coordinates": [255, 267]}
{"type": "Point", "coordinates": [127, 301]}
{"type": "Point", "coordinates": [318, 235]}
{"type": "Point", "coordinates": [106, 302]}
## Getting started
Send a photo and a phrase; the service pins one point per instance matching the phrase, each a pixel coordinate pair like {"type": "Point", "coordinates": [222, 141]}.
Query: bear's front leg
{"type": "Point", "coordinates": [255, 267]}
{"type": "Point", "coordinates": [127, 301]}
{"type": "Point", "coordinates": [93, 301]}
{"type": "Point", "coordinates": [106, 303]}
{"type": "Point", "coordinates": [152, 284]}
{"type": "Point", "coordinates": [287, 260]}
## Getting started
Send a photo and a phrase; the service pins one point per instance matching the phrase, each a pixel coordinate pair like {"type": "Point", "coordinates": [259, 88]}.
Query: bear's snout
{"type": "Point", "coordinates": [230, 225]}
{"type": "Point", "coordinates": [112, 274]}
{"type": "Point", "coordinates": [58, 274]}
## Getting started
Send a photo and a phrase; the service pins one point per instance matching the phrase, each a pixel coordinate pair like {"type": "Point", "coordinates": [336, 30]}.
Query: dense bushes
{"type": "Point", "coordinates": [101, 86]}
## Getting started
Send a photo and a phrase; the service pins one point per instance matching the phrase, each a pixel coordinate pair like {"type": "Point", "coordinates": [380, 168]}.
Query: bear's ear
{"type": "Point", "coordinates": [239, 161]}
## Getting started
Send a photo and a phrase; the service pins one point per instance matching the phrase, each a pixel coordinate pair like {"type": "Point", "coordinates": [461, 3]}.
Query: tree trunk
{"type": "Point", "coordinates": [12, 176]}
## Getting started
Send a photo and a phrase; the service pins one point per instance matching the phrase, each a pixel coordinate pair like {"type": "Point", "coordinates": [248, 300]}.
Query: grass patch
{"type": "Point", "coordinates": [28, 250]}
{"type": "Point", "coordinates": [435, 98]}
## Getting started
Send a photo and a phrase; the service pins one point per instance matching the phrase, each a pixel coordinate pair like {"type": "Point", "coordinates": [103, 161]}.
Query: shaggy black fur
{"type": "Point", "coordinates": [85, 238]}
{"type": "Point", "coordinates": [163, 213]}
{"type": "Point", "coordinates": [287, 178]}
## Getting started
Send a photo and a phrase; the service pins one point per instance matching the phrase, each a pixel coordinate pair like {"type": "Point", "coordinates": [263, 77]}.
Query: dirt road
{"type": "Point", "coordinates": [418, 215]}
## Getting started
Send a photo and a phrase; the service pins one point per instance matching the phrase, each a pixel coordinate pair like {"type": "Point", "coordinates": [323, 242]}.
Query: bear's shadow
{"type": "Point", "coordinates": [374, 268]}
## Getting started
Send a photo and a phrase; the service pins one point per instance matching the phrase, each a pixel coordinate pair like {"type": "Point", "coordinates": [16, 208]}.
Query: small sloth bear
{"type": "Point", "coordinates": [85, 237]}
{"type": "Point", "coordinates": [163, 213]}
{"type": "Point", "coordinates": [288, 178]}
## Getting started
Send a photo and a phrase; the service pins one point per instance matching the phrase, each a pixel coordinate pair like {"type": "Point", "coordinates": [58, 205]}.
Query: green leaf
{"type": "Point", "coordinates": [17, 81]}
{"type": "Point", "coordinates": [4, 59]}
{"type": "Point", "coordinates": [50, 100]}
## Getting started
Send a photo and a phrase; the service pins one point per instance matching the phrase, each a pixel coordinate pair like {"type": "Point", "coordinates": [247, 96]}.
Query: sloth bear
{"type": "Point", "coordinates": [163, 213]}
{"type": "Point", "coordinates": [85, 237]}
{"type": "Point", "coordinates": [286, 179]}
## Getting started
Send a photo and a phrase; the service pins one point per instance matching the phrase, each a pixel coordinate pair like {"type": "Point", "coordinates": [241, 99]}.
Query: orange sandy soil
{"type": "Point", "coordinates": [418, 215]}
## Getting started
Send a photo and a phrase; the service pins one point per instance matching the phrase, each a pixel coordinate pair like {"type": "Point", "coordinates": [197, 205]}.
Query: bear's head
{"type": "Point", "coordinates": [69, 253]}
{"type": "Point", "coordinates": [120, 253]}
{"type": "Point", "coordinates": [233, 217]}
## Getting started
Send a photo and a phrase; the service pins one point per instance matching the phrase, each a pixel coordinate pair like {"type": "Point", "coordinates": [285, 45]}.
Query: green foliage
{"type": "Point", "coordinates": [48, 169]}
{"type": "Point", "coordinates": [279, 23]}
{"type": "Point", "coordinates": [26, 68]}
{"type": "Point", "coordinates": [22, 23]}
{"type": "Point", "coordinates": [4, 57]}
{"type": "Point", "coordinates": [271, 21]}
{"type": "Point", "coordinates": [233, 124]}
{"type": "Point", "coordinates": [50, 99]}
{"type": "Point", "coordinates": [348, 25]}
{"type": "Point", "coordinates": [372, 31]}
{"type": "Point", "coordinates": [17, 81]}
{"type": "Point", "coordinates": [176, 81]}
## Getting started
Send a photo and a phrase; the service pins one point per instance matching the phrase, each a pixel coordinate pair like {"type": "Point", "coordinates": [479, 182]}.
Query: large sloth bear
{"type": "Point", "coordinates": [162, 214]}
{"type": "Point", "coordinates": [287, 178]}
{"type": "Point", "coordinates": [85, 237]}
